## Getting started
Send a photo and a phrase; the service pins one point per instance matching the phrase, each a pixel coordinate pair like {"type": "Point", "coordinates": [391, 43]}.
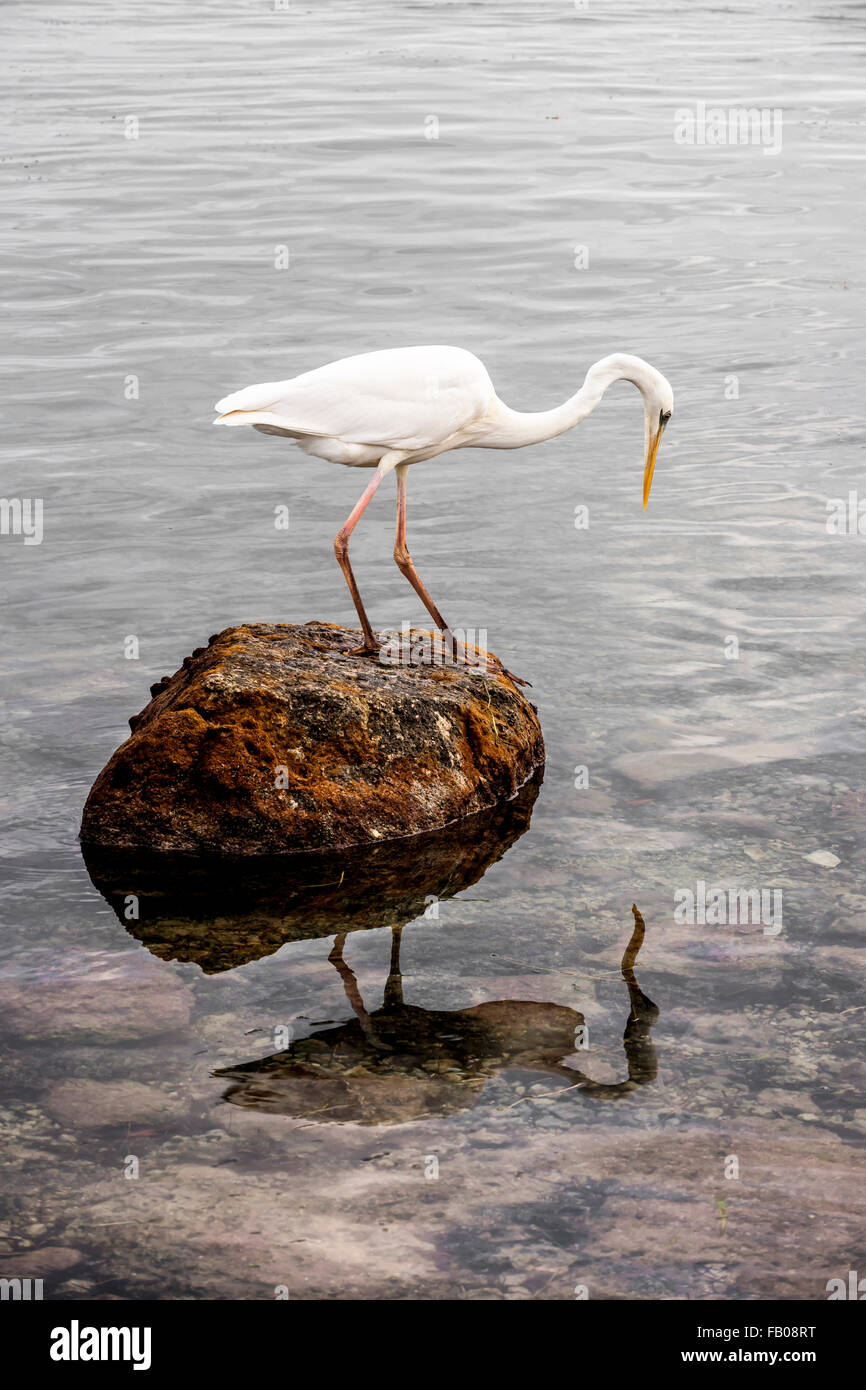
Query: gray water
{"type": "Point", "coordinates": [162, 161]}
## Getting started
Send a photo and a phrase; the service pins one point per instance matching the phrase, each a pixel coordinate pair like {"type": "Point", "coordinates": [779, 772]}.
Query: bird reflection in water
{"type": "Point", "coordinates": [402, 1062]}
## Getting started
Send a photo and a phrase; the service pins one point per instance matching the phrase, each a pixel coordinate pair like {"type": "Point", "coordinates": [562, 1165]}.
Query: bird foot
{"type": "Point", "coordinates": [495, 665]}
{"type": "Point", "coordinates": [518, 680]}
{"type": "Point", "coordinates": [487, 664]}
{"type": "Point", "coordinates": [366, 650]}
{"type": "Point", "coordinates": [482, 662]}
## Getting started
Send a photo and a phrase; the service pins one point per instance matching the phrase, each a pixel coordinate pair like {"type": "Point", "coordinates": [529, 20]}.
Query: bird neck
{"type": "Point", "coordinates": [515, 428]}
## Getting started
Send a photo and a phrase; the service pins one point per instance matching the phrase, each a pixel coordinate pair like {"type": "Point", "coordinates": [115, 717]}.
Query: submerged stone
{"type": "Point", "coordinates": [275, 739]}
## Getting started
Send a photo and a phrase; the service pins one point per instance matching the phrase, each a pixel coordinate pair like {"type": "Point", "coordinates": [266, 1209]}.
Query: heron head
{"type": "Point", "coordinates": [659, 405]}
{"type": "Point", "coordinates": [658, 399]}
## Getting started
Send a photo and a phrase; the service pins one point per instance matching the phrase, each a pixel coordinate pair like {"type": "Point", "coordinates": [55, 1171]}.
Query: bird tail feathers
{"type": "Point", "coordinates": [249, 417]}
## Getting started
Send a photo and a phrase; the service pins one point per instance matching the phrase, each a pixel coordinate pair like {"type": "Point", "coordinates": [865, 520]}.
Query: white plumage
{"type": "Point", "coordinates": [389, 409]}
{"type": "Point", "coordinates": [401, 398]}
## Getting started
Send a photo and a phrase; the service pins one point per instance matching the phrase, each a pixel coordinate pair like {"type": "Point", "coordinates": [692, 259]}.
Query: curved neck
{"type": "Point", "coordinates": [512, 429]}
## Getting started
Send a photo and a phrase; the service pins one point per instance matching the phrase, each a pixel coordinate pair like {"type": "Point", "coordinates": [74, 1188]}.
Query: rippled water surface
{"type": "Point", "coordinates": [703, 663]}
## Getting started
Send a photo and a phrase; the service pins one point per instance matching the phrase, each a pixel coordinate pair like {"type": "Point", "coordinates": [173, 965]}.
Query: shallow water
{"type": "Point", "coordinates": [141, 283]}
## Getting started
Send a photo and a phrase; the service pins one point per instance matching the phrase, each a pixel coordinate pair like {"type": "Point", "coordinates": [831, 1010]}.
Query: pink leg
{"type": "Point", "coordinates": [341, 550]}
{"type": "Point", "coordinates": [404, 562]}
{"type": "Point", "coordinates": [405, 565]}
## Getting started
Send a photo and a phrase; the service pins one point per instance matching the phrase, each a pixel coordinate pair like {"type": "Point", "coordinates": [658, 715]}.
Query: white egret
{"type": "Point", "coordinates": [387, 410]}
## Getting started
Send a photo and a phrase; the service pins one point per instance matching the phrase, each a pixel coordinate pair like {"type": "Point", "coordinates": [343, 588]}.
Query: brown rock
{"type": "Point", "coordinates": [368, 751]}
{"type": "Point", "coordinates": [81, 1103]}
{"type": "Point", "coordinates": [223, 913]}
{"type": "Point", "coordinates": [115, 1003]}
{"type": "Point", "coordinates": [36, 1264]}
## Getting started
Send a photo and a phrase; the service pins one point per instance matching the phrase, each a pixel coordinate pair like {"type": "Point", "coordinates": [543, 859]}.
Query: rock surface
{"type": "Point", "coordinates": [105, 1001]}
{"type": "Point", "coordinates": [224, 913]}
{"type": "Point", "coordinates": [37, 1264]}
{"type": "Point", "coordinates": [275, 740]}
{"type": "Point", "coordinates": [86, 1104]}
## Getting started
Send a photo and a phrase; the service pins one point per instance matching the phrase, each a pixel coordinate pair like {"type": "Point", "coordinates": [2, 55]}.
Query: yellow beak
{"type": "Point", "coordinates": [652, 450]}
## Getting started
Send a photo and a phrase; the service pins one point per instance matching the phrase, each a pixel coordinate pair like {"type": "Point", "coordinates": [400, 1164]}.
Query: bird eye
{"type": "Point", "coordinates": [664, 417]}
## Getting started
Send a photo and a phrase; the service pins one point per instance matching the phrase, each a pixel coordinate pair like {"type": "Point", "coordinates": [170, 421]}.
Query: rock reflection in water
{"type": "Point", "coordinates": [222, 913]}
{"type": "Point", "coordinates": [402, 1062]}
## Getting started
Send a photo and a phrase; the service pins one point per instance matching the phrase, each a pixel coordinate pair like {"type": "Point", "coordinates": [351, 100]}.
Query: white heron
{"type": "Point", "coordinates": [387, 410]}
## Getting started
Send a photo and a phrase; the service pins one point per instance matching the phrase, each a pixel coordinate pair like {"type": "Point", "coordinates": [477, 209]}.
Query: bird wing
{"type": "Point", "coordinates": [405, 398]}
